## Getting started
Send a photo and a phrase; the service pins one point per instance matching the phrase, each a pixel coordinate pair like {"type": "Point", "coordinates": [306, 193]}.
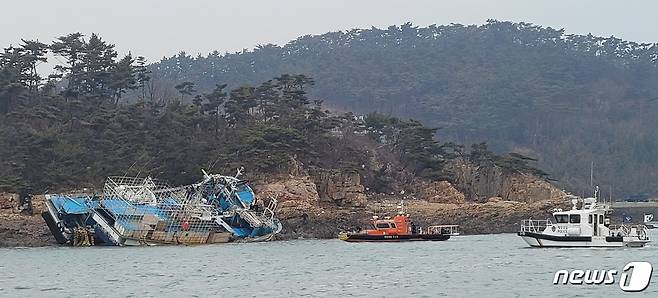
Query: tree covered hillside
{"type": "Point", "coordinates": [568, 100]}
{"type": "Point", "coordinates": [97, 116]}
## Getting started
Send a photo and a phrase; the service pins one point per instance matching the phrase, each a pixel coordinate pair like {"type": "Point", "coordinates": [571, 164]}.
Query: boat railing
{"type": "Point", "coordinates": [268, 212]}
{"type": "Point", "coordinates": [452, 230]}
{"type": "Point", "coordinates": [629, 231]}
{"type": "Point", "coordinates": [534, 225]}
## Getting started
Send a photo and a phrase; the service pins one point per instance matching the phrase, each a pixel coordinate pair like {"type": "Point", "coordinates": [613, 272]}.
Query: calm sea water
{"type": "Point", "coordinates": [479, 266]}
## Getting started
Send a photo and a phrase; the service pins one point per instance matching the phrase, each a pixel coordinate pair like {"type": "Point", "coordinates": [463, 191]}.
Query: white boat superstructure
{"type": "Point", "coordinates": [588, 226]}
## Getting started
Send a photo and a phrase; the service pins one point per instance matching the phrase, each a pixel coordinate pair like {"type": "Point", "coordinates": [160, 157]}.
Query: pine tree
{"type": "Point", "coordinates": [123, 77]}
{"type": "Point", "coordinates": [143, 76]}
{"type": "Point", "coordinates": [100, 69]}
{"type": "Point", "coordinates": [70, 47]}
{"type": "Point", "coordinates": [213, 107]}
{"type": "Point", "coordinates": [34, 54]}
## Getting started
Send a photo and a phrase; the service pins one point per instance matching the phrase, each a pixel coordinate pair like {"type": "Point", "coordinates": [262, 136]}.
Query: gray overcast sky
{"type": "Point", "coordinates": [156, 28]}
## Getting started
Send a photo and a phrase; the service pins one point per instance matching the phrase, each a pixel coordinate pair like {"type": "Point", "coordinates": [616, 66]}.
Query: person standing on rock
{"type": "Point", "coordinates": [25, 202]}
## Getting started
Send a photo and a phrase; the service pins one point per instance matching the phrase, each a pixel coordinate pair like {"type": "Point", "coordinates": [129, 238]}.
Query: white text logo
{"type": "Point", "coordinates": [635, 277]}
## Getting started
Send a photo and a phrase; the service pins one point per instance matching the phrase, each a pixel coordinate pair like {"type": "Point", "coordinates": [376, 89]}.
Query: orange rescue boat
{"type": "Point", "coordinates": [400, 228]}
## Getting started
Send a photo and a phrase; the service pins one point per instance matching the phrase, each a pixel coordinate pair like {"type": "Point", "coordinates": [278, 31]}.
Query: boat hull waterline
{"type": "Point", "coordinates": [542, 240]}
{"type": "Point", "coordinates": [392, 238]}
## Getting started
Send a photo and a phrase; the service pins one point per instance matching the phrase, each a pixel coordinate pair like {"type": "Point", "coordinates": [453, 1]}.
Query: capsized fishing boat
{"type": "Point", "coordinates": [588, 226]}
{"type": "Point", "coordinates": [145, 211]}
{"type": "Point", "coordinates": [400, 228]}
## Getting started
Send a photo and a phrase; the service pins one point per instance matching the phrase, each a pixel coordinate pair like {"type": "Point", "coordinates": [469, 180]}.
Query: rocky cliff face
{"type": "Point", "coordinates": [297, 196]}
{"type": "Point", "coordinates": [341, 188]}
{"type": "Point", "coordinates": [441, 192]}
{"type": "Point", "coordinates": [327, 202]}
{"type": "Point", "coordinates": [479, 183]}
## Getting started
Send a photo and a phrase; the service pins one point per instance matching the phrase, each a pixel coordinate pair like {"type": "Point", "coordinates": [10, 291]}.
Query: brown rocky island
{"type": "Point", "coordinates": [319, 203]}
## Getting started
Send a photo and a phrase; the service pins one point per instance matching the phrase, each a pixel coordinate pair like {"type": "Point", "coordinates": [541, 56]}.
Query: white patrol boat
{"type": "Point", "coordinates": [588, 226]}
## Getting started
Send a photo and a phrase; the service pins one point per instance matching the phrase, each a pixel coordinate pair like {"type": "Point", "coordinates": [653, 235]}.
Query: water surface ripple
{"type": "Point", "coordinates": [475, 266]}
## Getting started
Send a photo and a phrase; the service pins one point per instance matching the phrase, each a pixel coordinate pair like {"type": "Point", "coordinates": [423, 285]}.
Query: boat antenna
{"type": "Point", "coordinates": [591, 174]}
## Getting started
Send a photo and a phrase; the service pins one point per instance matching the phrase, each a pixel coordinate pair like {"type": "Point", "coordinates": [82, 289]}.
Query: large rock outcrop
{"type": "Point", "coordinates": [441, 192]}
{"type": "Point", "coordinates": [309, 211]}
{"type": "Point", "coordinates": [341, 188]}
{"type": "Point", "coordinates": [296, 195]}
{"type": "Point", "coordinates": [479, 183]}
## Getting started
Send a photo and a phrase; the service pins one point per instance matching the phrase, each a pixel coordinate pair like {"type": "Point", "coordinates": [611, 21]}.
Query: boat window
{"type": "Point", "coordinates": [590, 219]}
{"type": "Point", "coordinates": [382, 225]}
{"type": "Point", "coordinates": [393, 225]}
{"type": "Point", "coordinates": [562, 218]}
{"type": "Point", "coordinates": [574, 218]}
{"type": "Point", "coordinates": [601, 218]}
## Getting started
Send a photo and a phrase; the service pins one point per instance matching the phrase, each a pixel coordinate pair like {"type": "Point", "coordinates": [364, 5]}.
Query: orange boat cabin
{"type": "Point", "coordinates": [398, 225]}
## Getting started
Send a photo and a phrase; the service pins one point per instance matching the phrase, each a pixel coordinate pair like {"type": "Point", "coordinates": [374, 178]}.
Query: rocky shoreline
{"type": "Point", "coordinates": [335, 202]}
{"type": "Point", "coordinates": [22, 230]}
{"type": "Point", "coordinates": [309, 208]}
{"type": "Point", "coordinates": [473, 218]}
{"type": "Point", "coordinates": [17, 230]}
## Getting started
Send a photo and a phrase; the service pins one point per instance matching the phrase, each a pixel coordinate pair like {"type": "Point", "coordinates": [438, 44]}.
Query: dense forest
{"type": "Point", "coordinates": [569, 101]}
{"type": "Point", "coordinates": [98, 115]}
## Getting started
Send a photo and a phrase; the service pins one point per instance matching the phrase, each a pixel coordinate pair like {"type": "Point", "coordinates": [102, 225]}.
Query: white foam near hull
{"type": "Point", "coordinates": [599, 241]}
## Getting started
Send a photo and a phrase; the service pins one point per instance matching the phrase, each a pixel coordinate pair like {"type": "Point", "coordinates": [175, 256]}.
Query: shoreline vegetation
{"type": "Point", "coordinates": [101, 114]}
